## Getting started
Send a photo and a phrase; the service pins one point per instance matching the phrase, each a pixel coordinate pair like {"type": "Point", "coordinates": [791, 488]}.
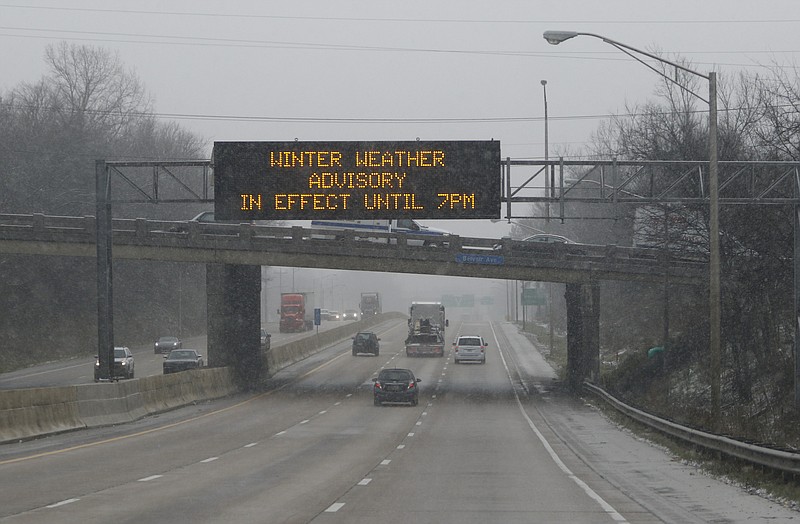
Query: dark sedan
{"type": "Point", "coordinates": [166, 344]}
{"type": "Point", "coordinates": [396, 385]}
{"type": "Point", "coordinates": [181, 360]}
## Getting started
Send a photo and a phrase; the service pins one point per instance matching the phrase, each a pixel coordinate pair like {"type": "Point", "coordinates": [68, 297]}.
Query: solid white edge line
{"type": "Point", "coordinates": [151, 477]}
{"type": "Point", "coordinates": [62, 503]}
{"type": "Point", "coordinates": [608, 508]}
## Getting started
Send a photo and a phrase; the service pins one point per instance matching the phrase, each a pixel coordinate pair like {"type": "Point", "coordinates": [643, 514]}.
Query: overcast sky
{"type": "Point", "coordinates": [378, 70]}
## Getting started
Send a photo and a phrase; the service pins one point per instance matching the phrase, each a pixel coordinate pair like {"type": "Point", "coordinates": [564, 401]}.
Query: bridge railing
{"type": "Point", "coordinates": [264, 237]}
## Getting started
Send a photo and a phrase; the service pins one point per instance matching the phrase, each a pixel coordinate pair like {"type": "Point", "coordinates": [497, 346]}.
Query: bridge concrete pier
{"type": "Point", "coordinates": [583, 333]}
{"type": "Point", "coordinates": [234, 320]}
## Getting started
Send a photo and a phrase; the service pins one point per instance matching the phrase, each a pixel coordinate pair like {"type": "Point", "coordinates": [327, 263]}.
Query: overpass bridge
{"type": "Point", "coordinates": [233, 254]}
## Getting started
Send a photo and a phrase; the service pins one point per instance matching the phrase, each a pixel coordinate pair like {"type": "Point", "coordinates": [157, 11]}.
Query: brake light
{"type": "Point", "coordinates": [378, 385]}
{"type": "Point", "coordinates": [412, 385]}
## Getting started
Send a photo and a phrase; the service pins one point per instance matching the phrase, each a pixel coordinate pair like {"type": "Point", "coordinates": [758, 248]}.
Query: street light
{"type": "Point", "coordinates": [555, 38]}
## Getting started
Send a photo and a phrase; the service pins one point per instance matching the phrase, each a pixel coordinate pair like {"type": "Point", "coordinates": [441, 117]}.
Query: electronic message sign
{"type": "Point", "coordinates": [356, 180]}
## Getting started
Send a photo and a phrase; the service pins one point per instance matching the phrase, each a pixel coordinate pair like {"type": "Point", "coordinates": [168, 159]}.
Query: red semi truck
{"type": "Point", "coordinates": [297, 312]}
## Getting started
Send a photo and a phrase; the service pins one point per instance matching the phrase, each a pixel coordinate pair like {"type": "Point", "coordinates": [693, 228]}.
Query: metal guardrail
{"type": "Point", "coordinates": [774, 459]}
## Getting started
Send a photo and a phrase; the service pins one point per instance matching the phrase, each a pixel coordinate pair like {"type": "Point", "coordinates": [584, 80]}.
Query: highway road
{"type": "Point", "coordinates": [81, 370]}
{"type": "Point", "coordinates": [498, 442]}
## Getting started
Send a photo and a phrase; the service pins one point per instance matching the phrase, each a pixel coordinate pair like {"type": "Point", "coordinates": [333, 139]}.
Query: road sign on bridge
{"type": "Point", "coordinates": [357, 180]}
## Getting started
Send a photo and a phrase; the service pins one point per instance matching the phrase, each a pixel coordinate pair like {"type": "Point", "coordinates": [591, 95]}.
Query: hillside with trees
{"type": "Point", "coordinates": [88, 106]}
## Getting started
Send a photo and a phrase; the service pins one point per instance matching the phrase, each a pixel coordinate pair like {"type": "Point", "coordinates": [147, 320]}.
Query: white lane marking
{"type": "Point", "coordinates": [364, 481]}
{"type": "Point", "coordinates": [433, 396]}
{"type": "Point", "coordinates": [339, 403]}
{"type": "Point", "coordinates": [62, 503]}
{"type": "Point", "coordinates": [419, 423]}
{"type": "Point", "coordinates": [306, 421]}
{"type": "Point", "coordinates": [209, 459]}
{"type": "Point", "coordinates": [279, 433]}
{"type": "Point", "coordinates": [410, 434]}
{"type": "Point", "coordinates": [401, 446]}
{"type": "Point", "coordinates": [323, 411]}
{"type": "Point", "coordinates": [348, 395]}
{"type": "Point", "coordinates": [251, 444]}
{"type": "Point", "coordinates": [333, 508]}
{"type": "Point", "coordinates": [385, 462]}
{"type": "Point", "coordinates": [424, 413]}
{"type": "Point", "coordinates": [608, 508]}
{"type": "Point", "coordinates": [151, 477]}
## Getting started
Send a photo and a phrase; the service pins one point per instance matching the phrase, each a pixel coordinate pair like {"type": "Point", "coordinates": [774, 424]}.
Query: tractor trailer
{"type": "Point", "coordinates": [297, 312]}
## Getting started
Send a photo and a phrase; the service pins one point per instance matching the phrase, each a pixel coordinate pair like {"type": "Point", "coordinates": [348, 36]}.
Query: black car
{"type": "Point", "coordinates": [266, 339]}
{"type": "Point", "coordinates": [395, 385]}
{"type": "Point", "coordinates": [181, 360]}
{"type": "Point", "coordinates": [123, 364]}
{"type": "Point", "coordinates": [166, 344]}
{"type": "Point", "coordinates": [366, 342]}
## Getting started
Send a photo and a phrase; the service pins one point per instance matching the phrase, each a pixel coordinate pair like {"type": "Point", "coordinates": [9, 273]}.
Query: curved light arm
{"type": "Point", "coordinates": [556, 37]}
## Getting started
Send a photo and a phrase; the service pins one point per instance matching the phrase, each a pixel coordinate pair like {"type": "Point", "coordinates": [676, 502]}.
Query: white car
{"type": "Point", "coordinates": [469, 348]}
{"type": "Point", "coordinates": [548, 238]}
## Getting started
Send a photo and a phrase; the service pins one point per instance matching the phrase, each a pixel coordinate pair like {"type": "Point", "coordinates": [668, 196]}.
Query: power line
{"type": "Point", "coordinates": [400, 20]}
{"type": "Point", "coordinates": [142, 38]}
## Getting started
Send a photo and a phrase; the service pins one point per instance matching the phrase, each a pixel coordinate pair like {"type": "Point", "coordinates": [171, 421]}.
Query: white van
{"type": "Point", "coordinates": [434, 237]}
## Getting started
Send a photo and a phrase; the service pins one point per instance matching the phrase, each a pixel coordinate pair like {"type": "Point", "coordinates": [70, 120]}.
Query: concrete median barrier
{"type": "Point", "coordinates": [279, 357]}
{"type": "Point", "coordinates": [35, 412]}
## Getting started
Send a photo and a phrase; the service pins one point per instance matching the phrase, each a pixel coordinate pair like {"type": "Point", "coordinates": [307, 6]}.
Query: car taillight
{"type": "Point", "coordinates": [378, 385]}
{"type": "Point", "coordinates": [412, 385]}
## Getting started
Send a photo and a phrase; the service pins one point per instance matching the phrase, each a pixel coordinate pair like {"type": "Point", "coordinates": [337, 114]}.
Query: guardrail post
{"type": "Point", "coordinates": [454, 242]}
{"type": "Point", "coordinates": [140, 226]}
{"type": "Point", "coordinates": [38, 222]}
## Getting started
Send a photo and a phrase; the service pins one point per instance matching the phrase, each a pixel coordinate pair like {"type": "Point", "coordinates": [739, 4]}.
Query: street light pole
{"type": "Point", "coordinates": [546, 151]}
{"type": "Point", "coordinates": [547, 186]}
{"type": "Point", "coordinates": [555, 38]}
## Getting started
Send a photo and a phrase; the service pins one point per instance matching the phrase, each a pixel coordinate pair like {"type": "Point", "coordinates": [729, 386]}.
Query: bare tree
{"type": "Point", "coordinates": [95, 91]}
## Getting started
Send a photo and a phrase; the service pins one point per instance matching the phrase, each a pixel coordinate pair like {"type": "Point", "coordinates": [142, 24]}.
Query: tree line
{"type": "Point", "coordinates": [87, 106]}
{"type": "Point", "coordinates": [759, 120]}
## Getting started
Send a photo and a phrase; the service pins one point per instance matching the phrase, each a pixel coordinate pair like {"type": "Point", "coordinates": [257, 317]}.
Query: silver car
{"type": "Point", "coordinates": [469, 348]}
